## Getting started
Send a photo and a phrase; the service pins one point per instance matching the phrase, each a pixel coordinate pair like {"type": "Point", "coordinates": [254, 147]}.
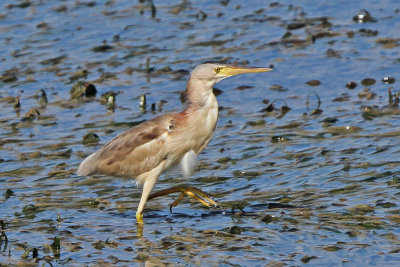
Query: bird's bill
{"type": "Point", "coordinates": [232, 70]}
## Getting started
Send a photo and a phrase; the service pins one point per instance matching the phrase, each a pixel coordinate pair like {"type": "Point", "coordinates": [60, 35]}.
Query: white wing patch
{"type": "Point", "coordinates": [188, 162]}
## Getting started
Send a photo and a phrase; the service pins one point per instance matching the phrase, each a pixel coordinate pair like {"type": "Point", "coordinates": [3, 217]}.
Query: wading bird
{"type": "Point", "coordinates": [148, 149]}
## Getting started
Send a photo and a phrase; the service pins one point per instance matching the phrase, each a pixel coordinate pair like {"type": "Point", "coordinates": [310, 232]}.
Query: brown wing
{"type": "Point", "coordinates": [133, 152]}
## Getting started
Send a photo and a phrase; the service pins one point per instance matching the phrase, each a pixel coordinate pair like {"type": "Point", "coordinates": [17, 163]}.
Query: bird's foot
{"type": "Point", "coordinates": [139, 224]}
{"type": "Point", "coordinates": [139, 218]}
{"type": "Point", "coordinates": [196, 193]}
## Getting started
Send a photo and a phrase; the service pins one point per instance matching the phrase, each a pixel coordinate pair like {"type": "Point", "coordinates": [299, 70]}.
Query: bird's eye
{"type": "Point", "coordinates": [217, 70]}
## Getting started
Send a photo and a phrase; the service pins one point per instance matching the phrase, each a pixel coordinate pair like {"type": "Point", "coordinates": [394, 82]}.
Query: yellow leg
{"type": "Point", "coordinates": [149, 179]}
{"type": "Point", "coordinates": [197, 194]}
{"type": "Point", "coordinates": [139, 218]}
{"type": "Point", "coordinates": [147, 187]}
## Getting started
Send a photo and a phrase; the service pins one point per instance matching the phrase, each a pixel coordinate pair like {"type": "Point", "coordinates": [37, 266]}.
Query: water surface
{"type": "Point", "coordinates": [317, 185]}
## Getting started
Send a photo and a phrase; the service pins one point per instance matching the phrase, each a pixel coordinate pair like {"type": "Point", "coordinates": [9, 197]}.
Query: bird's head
{"type": "Point", "coordinates": [212, 73]}
{"type": "Point", "coordinates": [204, 76]}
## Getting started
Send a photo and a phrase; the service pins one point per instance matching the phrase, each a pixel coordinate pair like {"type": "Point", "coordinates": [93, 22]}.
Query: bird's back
{"type": "Point", "coordinates": [133, 152]}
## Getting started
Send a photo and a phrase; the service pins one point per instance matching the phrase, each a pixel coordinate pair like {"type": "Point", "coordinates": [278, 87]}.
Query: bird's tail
{"type": "Point", "coordinates": [87, 166]}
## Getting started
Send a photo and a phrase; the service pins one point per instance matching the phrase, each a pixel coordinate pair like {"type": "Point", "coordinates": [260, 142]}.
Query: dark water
{"type": "Point", "coordinates": [318, 185]}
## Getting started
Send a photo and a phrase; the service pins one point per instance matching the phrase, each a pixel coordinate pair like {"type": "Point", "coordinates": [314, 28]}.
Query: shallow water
{"type": "Point", "coordinates": [317, 185]}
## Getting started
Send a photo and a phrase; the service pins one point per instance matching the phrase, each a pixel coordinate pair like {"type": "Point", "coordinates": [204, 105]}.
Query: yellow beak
{"type": "Point", "coordinates": [232, 70]}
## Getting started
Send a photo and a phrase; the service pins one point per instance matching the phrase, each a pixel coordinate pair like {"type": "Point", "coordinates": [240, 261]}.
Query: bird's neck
{"type": "Point", "coordinates": [202, 104]}
{"type": "Point", "coordinates": [199, 92]}
{"type": "Point", "coordinates": [202, 111]}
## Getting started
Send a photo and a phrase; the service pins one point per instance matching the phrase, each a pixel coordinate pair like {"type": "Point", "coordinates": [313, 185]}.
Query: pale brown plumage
{"type": "Point", "coordinates": [150, 148]}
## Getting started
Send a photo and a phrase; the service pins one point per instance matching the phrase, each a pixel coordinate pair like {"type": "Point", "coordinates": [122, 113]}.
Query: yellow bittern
{"type": "Point", "coordinates": [148, 149]}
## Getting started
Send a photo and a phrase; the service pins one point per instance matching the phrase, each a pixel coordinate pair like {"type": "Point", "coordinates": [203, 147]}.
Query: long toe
{"type": "Point", "coordinates": [193, 192]}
